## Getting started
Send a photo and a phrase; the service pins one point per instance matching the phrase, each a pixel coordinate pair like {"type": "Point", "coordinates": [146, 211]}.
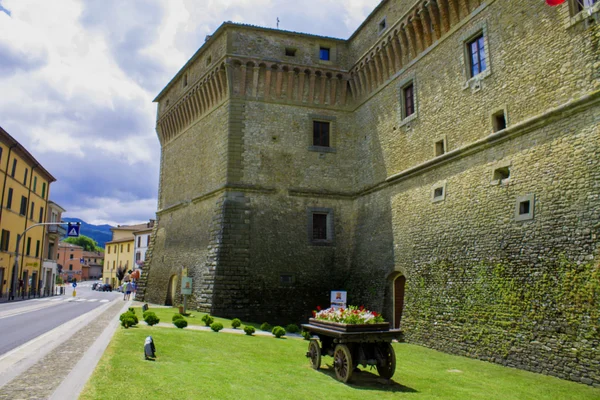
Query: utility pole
{"type": "Point", "coordinates": [13, 285]}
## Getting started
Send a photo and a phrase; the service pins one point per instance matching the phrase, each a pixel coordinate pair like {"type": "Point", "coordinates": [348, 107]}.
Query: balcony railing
{"type": "Point", "coordinates": [58, 229]}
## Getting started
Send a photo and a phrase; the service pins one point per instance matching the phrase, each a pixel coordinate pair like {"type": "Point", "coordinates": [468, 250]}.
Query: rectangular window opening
{"type": "Point", "coordinates": [524, 207]}
{"type": "Point", "coordinates": [440, 148]}
{"type": "Point", "coordinates": [25, 176]}
{"type": "Point", "coordinates": [499, 121]}
{"type": "Point", "coordinates": [477, 60]}
{"type": "Point", "coordinates": [32, 210]}
{"type": "Point", "coordinates": [321, 133]}
{"type": "Point", "coordinates": [438, 192]}
{"type": "Point", "coordinates": [324, 53]}
{"type": "Point", "coordinates": [382, 25]}
{"type": "Point", "coordinates": [319, 225]}
{"type": "Point", "coordinates": [4, 240]}
{"type": "Point", "coordinates": [9, 198]}
{"type": "Point", "coordinates": [14, 168]}
{"type": "Point", "coordinates": [501, 174]}
{"type": "Point", "coordinates": [23, 210]}
{"type": "Point", "coordinates": [290, 52]}
{"type": "Point", "coordinates": [185, 81]}
{"type": "Point", "coordinates": [409, 100]}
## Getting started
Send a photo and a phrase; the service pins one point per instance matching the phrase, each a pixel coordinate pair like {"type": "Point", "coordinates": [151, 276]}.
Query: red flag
{"type": "Point", "coordinates": [553, 3]}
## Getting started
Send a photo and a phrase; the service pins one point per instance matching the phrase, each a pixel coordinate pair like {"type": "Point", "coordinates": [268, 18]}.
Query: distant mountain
{"type": "Point", "coordinates": [100, 233]}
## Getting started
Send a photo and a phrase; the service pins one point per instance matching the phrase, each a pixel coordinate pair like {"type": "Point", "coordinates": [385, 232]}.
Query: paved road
{"type": "Point", "coordinates": [23, 321]}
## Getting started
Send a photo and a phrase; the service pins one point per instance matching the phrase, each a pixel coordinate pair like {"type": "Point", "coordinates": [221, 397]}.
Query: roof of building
{"type": "Point", "coordinates": [55, 206]}
{"type": "Point", "coordinates": [94, 254]}
{"type": "Point", "coordinates": [136, 227]}
{"type": "Point", "coordinates": [11, 142]}
{"type": "Point", "coordinates": [65, 244]}
{"type": "Point", "coordinates": [130, 239]}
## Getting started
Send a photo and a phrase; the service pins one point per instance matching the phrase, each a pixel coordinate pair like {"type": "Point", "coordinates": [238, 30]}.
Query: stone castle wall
{"type": "Point", "coordinates": [239, 177]}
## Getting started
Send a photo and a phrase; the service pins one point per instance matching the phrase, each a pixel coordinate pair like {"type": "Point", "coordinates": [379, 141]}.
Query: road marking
{"type": "Point", "coordinates": [104, 301]}
{"type": "Point", "coordinates": [92, 300]}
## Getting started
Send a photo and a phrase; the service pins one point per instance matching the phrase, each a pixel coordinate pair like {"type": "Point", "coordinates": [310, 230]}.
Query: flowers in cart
{"type": "Point", "coordinates": [350, 315]}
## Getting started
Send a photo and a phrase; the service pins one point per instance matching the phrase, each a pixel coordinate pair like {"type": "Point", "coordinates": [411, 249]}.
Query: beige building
{"type": "Point", "coordinates": [92, 265]}
{"type": "Point", "coordinates": [120, 252]}
{"type": "Point", "coordinates": [54, 234]}
{"type": "Point", "coordinates": [70, 259]}
{"type": "Point", "coordinates": [440, 165]}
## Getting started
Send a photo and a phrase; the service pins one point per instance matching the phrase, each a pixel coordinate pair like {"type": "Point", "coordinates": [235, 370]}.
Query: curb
{"type": "Point", "coordinates": [73, 384]}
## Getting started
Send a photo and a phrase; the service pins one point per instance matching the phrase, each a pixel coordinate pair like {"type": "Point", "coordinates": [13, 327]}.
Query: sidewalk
{"type": "Point", "coordinates": [58, 364]}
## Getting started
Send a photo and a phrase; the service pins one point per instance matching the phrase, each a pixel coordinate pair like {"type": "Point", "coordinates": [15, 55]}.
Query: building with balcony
{"type": "Point", "coordinates": [54, 234]}
{"type": "Point", "coordinates": [24, 192]}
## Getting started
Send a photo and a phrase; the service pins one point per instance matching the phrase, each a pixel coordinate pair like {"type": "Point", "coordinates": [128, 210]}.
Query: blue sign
{"type": "Point", "coordinates": [73, 230]}
{"type": "Point", "coordinates": [74, 285]}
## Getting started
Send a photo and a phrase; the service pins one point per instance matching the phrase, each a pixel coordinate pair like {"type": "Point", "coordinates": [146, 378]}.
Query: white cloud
{"type": "Point", "coordinates": [77, 79]}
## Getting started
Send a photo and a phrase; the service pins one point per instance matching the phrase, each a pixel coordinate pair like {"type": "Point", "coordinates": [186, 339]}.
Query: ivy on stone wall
{"type": "Point", "coordinates": [493, 309]}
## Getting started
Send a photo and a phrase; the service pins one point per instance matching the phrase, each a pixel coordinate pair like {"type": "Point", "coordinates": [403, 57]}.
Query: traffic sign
{"type": "Point", "coordinates": [74, 285]}
{"type": "Point", "coordinates": [73, 230]}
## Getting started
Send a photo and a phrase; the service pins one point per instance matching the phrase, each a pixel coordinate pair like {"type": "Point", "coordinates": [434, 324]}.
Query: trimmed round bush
{"type": "Point", "coordinates": [131, 309]}
{"type": "Point", "coordinates": [236, 323]}
{"type": "Point", "coordinates": [278, 331]}
{"type": "Point", "coordinates": [176, 316]}
{"type": "Point", "coordinates": [127, 321]}
{"type": "Point", "coordinates": [292, 328]}
{"type": "Point", "coordinates": [249, 330]}
{"type": "Point", "coordinates": [216, 326]}
{"type": "Point", "coordinates": [151, 318]}
{"type": "Point", "coordinates": [265, 327]}
{"type": "Point", "coordinates": [129, 314]}
{"type": "Point", "coordinates": [146, 313]}
{"type": "Point", "coordinates": [180, 323]}
{"type": "Point", "coordinates": [208, 320]}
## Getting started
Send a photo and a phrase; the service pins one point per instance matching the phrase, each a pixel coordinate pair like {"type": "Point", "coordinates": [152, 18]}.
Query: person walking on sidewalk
{"type": "Point", "coordinates": [125, 290]}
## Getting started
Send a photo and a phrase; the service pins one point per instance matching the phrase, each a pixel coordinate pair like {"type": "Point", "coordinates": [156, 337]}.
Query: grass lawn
{"type": "Point", "coordinates": [195, 318]}
{"type": "Point", "coordinates": [209, 365]}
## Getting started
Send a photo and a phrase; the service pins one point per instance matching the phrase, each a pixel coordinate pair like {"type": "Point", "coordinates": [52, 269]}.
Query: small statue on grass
{"type": "Point", "coordinates": [149, 349]}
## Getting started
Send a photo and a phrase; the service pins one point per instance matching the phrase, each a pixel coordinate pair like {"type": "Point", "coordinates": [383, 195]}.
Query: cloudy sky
{"type": "Point", "coordinates": [77, 79]}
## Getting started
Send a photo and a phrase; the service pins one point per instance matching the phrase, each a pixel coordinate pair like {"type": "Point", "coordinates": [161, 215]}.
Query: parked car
{"type": "Point", "coordinates": [106, 288]}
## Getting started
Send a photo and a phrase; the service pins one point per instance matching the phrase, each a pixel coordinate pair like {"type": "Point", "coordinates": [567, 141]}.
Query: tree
{"type": "Point", "coordinates": [120, 274]}
{"type": "Point", "coordinates": [86, 242]}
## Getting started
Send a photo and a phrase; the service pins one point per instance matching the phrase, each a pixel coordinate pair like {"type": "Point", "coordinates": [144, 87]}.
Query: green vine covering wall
{"type": "Point", "coordinates": [501, 312]}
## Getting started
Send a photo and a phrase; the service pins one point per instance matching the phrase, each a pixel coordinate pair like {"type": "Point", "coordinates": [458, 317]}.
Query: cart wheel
{"type": "Point", "coordinates": [314, 353]}
{"type": "Point", "coordinates": [388, 366]}
{"type": "Point", "coordinates": [342, 363]}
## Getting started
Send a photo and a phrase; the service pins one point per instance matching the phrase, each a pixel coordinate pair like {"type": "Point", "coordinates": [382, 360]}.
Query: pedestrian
{"type": "Point", "coordinates": [125, 287]}
{"type": "Point", "coordinates": [128, 290]}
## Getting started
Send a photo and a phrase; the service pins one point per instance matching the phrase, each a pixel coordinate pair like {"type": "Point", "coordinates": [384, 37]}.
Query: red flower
{"type": "Point", "coordinates": [375, 314]}
{"type": "Point", "coordinates": [314, 314]}
{"type": "Point", "coordinates": [319, 308]}
{"type": "Point", "coordinates": [361, 308]}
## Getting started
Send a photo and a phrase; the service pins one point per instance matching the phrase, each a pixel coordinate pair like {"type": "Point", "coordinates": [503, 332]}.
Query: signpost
{"type": "Point", "coordinates": [73, 229]}
{"type": "Point", "coordinates": [338, 299]}
{"type": "Point", "coordinates": [186, 290]}
{"type": "Point", "coordinates": [74, 291]}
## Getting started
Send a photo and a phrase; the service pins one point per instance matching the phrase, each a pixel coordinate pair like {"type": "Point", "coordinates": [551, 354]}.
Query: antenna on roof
{"type": "Point", "coordinates": [277, 22]}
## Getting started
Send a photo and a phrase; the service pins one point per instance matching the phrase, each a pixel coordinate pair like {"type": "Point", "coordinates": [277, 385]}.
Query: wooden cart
{"type": "Point", "coordinates": [353, 345]}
